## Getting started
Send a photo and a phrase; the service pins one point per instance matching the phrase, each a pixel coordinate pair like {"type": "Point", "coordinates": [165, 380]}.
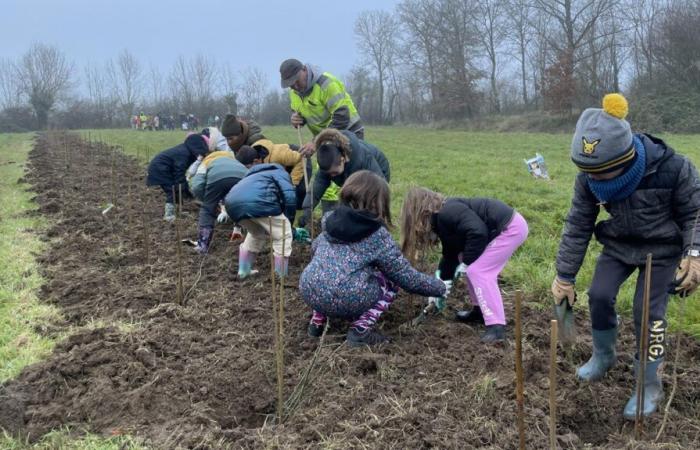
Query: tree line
{"type": "Point", "coordinates": [425, 61]}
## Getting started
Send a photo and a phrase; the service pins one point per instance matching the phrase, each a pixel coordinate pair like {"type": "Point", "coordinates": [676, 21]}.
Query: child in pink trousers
{"type": "Point", "coordinates": [481, 233]}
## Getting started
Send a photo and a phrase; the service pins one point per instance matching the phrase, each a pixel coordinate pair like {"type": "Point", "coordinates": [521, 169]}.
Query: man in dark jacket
{"type": "Point", "coordinates": [168, 168]}
{"type": "Point", "coordinates": [264, 202]}
{"type": "Point", "coordinates": [652, 195]}
{"type": "Point", "coordinates": [239, 132]}
{"type": "Point", "coordinates": [339, 155]}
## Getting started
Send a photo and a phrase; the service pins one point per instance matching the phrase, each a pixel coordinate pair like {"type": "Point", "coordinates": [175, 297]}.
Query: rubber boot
{"type": "Point", "coordinates": [169, 212]}
{"type": "Point", "coordinates": [358, 337]}
{"type": "Point", "coordinates": [494, 334]}
{"type": "Point", "coordinates": [473, 316]}
{"type": "Point", "coordinates": [246, 260]}
{"type": "Point", "coordinates": [203, 240]}
{"type": "Point", "coordinates": [603, 357]}
{"type": "Point", "coordinates": [281, 265]}
{"type": "Point", "coordinates": [653, 390]}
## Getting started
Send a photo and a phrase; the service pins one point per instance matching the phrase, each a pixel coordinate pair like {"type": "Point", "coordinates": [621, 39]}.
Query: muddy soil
{"type": "Point", "coordinates": [202, 374]}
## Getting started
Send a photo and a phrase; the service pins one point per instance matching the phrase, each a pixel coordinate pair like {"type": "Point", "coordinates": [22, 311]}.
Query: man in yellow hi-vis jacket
{"type": "Point", "coordinates": [319, 100]}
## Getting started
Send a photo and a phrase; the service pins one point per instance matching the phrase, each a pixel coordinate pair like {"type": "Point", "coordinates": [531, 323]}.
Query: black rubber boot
{"type": "Point", "coordinates": [494, 334]}
{"type": "Point", "coordinates": [358, 338]}
{"type": "Point", "coordinates": [472, 316]}
{"type": "Point", "coordinates": [315, 331]}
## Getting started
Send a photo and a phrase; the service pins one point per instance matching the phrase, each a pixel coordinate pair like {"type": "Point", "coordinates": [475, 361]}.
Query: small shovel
{"type": "Point", "coordinates": [431, 309]}
{"type": "Point", "coordinates": [564, 312]}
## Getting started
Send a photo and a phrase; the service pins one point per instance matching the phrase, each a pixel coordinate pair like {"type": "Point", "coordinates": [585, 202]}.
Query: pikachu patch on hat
{"type": "Point", "coordinates": [589, 147]}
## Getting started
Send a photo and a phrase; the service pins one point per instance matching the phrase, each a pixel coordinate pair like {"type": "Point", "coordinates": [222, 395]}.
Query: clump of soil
{"type": "Point", "coordinates": [201, 375]}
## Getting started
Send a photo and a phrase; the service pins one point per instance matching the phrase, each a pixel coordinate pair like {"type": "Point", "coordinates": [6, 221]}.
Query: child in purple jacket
{"type": "Point", "coordinates": [357, 267]}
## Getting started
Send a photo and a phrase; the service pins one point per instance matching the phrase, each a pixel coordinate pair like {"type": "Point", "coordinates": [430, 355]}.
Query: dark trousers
{"type": "Point", "coordinates": [213, 194]}
{"type": "Point", "coordinates": [172, 192]}
{"type": "Point", "coordinates": [609, 275]}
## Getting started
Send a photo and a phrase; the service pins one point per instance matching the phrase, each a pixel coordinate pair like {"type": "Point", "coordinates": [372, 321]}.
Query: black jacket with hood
{"type": "Point", "coordinates": [168, 167]}
{"type": "Point", "coordinates": [658, 218]}
{"type": "Point", "coordinates": [466, 226]}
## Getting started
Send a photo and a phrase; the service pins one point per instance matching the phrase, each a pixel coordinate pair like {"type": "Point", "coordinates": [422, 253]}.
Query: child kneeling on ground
{"type": "Point", "coordinates": [169, 167]}
{"type": "Point", "coordinates": [264, 202]}
{"type": "Point", "coordinates": [482, 233]}
{"type": "Point", "coordinates": [357, 267]}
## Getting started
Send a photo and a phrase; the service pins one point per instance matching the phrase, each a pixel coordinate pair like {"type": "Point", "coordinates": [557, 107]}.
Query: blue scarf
{"type": "Point", "coordinates": [622, 186]}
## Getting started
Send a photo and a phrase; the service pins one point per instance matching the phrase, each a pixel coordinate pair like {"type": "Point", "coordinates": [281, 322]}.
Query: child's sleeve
{"type": "Point", "coordinates": [392, 263]}
{"type": "Point", "coordinates": [686, 204]}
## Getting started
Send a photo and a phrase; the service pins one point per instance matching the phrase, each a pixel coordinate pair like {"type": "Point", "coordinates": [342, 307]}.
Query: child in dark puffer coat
{"type": "Point", "coordinates": [357, 267]}
{"type": "Point", "coordinates": [168, 169]}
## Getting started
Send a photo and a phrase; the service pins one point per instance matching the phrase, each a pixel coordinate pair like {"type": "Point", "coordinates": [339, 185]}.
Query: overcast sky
{"type": "Point", "coordinates": [258, 33]}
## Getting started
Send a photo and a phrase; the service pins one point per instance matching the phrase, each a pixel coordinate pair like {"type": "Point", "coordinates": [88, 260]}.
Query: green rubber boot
{"type": "Point", "coordinates": [603, 358]}
{"type": "Point", "coordinates": [653, 390]}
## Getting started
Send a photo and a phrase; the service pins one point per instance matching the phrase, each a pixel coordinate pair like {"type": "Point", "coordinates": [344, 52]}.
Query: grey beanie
{"type": "Point", "coordinates": [603, 138]}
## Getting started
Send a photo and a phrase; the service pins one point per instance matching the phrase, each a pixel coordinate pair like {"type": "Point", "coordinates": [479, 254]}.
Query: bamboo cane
{"type": "Point", "coordinates": [643, 349]}
{"type": "Point", "coordinates": [679, 339]}
{"type": "Point", "coordinates": [519, 370]}
{"type": "Point", "coordinates": [179, 291]}
{"type": "Point", "coordinates": [553, 386]}
{"type": "Point", "coordinates": [280, 333]}
{"type": "Point", "coordinates": [146, 240]}
{"type": "Point", "coordinates": [272, 297]}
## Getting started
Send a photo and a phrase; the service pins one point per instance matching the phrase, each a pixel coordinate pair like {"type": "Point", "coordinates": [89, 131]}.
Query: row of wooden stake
{"type": "Point", "coordinates": [643, 350]}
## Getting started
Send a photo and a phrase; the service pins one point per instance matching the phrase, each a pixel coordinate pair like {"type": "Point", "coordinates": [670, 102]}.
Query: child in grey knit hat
{"type": "Point", "coordinates": [652, 195]}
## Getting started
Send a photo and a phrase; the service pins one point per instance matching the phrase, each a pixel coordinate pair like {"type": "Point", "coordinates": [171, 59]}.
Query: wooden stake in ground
{"type": "Point", "coordinates": [519, 369]}
{"type": "Point", "coordinates": [146, 240]}
{"type": "Point", "coordinates": [273, 291]}
{"type": "Point", "coordinates": [643, 350]}
{"type": "Point", "coordinates": [178, 244]}
{"type": "Point", "coordinates": [128, 204]}
{"type": "Point", "coordinates": [553, 385]}
{"type": "Point", "coordinates": [111, 178]}
{"type": "Point", "coordinates": [280, 333]}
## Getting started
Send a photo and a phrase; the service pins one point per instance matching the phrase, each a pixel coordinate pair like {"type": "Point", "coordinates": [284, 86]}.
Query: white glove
{"type": "Point", "coordinates": [223, 215]}
{"type": "Point", "coordinates": [192, 170]}
{"type": "Point", "coordinates": [448, 287]}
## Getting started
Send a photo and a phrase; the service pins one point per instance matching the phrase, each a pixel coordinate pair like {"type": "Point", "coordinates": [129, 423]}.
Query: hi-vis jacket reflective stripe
{"type": "Point", "coordinates": [328, 105]}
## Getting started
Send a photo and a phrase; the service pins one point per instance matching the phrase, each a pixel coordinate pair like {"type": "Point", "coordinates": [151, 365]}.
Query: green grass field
{"type": "Point", "coordinates": [453, 162]}
{"type": "Point", "coordinates": [460, 163]}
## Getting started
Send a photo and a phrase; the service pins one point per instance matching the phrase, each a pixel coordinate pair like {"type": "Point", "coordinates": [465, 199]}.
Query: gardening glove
{"type": "Point", "coordinates": [562, 289]}
{"type": "Point", "coordinates": [448, 284]}
{"type": "Point", "coordinates": [438, 304]}
{"type": "Point", "coordinates": [223, 215]}
{"type": "Point", "coordinates": [305, 218]}
{"type": "Point", "coordinates": [236, 234]}
{"type": "Point", "coordinates": [687, 276]}
{"type": "Point", "coordinates": [301, 235]}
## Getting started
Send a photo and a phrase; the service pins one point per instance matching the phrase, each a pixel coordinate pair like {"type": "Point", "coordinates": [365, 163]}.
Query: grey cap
{"type": "Point", "coordinates": [602, 142]}
{"type": "Point", "coordinates": [289, 71]}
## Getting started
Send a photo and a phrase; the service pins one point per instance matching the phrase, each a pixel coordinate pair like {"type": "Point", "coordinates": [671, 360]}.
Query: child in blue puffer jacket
{"type": "Point", "coordinates": [264, 202]}
{"type": "Point", "coordinates": [357, 267]}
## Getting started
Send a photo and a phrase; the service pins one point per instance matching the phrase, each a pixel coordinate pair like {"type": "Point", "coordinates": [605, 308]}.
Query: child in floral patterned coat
{"type": "Point", "coordinates": [357, 267]}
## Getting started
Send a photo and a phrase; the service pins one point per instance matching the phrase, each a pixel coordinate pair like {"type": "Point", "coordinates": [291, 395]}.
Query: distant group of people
{"type": "Point", "coordinates": [651, 194]}
{"type": "Point", "coordinates": [156, 122]}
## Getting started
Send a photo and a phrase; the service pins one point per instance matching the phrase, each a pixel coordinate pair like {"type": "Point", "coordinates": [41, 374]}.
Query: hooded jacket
{"type": "Point", "coordinates": [658, 217]}
{"type": "Point", "coordinates": [265, 191]}
{"type": "Point", "coordinates": [283, 155]}
{"type": "Point", "coordinates": [325, 103]}
{"type": "Point", "coordinates": [341, 278]}
{"type": "Point", "coordinates": [168, 167]}
{"type": "Point", "coordinates": [466, 226]}
{"type": "Point", "coordinates": [216, 167]}
{"type": "Point", "coordinates": [362, 156]}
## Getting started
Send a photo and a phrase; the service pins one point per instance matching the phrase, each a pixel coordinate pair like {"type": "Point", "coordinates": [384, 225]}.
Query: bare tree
{"type": "Point", "coordinates": [519, 14]}
{"type": "Point", "coordinates": [10, 89]}
{"type": "Point", "coordinates": [575, 20]}
{"type": "Point", "coordinates": [375, 32]}
{"type": "Point", "coordinates": [44, 75]}
{"type": "Point", "coordinates": [126, 78]}
{"type": "Point", "coordinates": [253, 88]}
{"type": "Point", "coordinates": [229, 87]}
{"type": "Point", "coordinates": [491, 24]}
{"type": "Point", "coordinates": [155, 84]}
